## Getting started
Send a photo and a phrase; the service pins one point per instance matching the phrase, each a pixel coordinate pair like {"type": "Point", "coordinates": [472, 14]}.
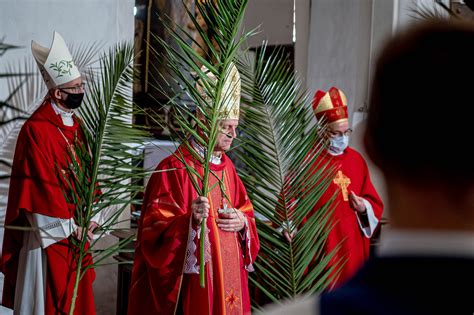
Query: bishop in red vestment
{"type": "Point", "coordinates": [39, 263]}
{"type": "Point", "coordinates": [165, 277]}
{"type": "Point", "coordinates": [358, 207]}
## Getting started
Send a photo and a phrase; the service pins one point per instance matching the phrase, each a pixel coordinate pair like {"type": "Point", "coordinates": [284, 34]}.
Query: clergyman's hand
{"type": "Point", "coordinates": [357, 203]}
{"type": "Point", "coordinates": [200, 209]}
{"type": "Point", "coordinates": [233, 221]}
{"type": "Point", "coordinates": [92, 226]}
{"type": "Point", "coordinates": [78, 233]}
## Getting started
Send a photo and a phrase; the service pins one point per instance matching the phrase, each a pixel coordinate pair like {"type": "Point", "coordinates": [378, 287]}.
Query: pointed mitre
{"type": "Point", "coordinates": [55, 64]}
{"type": "Point", "coordinates": [230, 95]}
{"type": "Point", "coordinates": [332, 105]}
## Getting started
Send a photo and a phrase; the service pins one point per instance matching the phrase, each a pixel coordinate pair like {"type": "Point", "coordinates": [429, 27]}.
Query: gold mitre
{"type": "Point", "coordinates": [230, 95]}
{"type": "Point", "coordinates": [55, 63]}
{"type": "Point", "coordinates": [332, 105]}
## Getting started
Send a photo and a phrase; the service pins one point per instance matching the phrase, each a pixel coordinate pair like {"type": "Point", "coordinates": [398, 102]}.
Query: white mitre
{"type": "Point", "coordinates": [56, 64]}
{"type": "Point", "coordinates": [230, 95]}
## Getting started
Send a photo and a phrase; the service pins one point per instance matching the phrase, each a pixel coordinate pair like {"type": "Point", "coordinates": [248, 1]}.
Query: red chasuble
{"type": "Point", "coordinates": [352, 175]}
{"type": "Point", "coordinates": [41, 155]}
{"type": "Point", "coordinates": [158, 279]}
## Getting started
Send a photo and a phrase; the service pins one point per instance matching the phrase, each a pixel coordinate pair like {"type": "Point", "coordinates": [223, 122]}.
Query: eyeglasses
{"type": "Point", "coordinates": [334, 134]}
{"type": "Point", "coordinates": [75, 89]}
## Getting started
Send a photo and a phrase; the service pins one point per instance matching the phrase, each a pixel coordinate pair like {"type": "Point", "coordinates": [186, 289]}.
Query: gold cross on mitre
{"type": "Point", "coordinates": [342, 181]}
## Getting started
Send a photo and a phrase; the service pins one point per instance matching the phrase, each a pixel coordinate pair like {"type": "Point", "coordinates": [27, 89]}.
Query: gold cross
{"type": "Point", "coordinates": [342, 181]}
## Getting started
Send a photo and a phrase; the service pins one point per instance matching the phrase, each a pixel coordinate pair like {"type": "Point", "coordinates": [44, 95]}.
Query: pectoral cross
{"type": "Point", "coordinates": [225, 208]}
{"type": "Point", "coordinates": [342, 181]}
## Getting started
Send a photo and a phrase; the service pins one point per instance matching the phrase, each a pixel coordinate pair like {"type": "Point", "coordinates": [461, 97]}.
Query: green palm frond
{"type": "Point", "coordinates": [279, 153]}
{"type": "Point", "coordinates": [107, 175]}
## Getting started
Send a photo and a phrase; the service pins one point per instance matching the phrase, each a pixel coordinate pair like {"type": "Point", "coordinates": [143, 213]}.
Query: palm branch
{"type": "Point", "coordinates": [223, 19]}
{"type": "Point", "coordinates": [8, 113]}
{"type": "Point", "coordinates": [279, 152]}
{"type": "Point", "coordinates": [4, 47]}
{"type": "Point", "coordinates": [106, 169]}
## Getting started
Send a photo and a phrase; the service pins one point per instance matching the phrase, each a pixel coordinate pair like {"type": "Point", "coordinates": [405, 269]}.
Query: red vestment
{"type": "Point", "coordinates": [158, 280]}
{"type": "Point", "coordinates": [37, 186]}
{"type": "Point", "coordinates": [354, 250]}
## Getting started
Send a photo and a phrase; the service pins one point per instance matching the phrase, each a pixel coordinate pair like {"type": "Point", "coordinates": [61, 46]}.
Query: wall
{"type": "Point", "coordinates": [275, 18]}
{"type": "Point", "coordinates": [105, 22]}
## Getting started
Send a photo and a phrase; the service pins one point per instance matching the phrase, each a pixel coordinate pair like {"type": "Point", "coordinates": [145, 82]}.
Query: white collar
{"type": "Point", "coordinates": [214, 158]}
{"type": "Point", "coordinates": [335, 154]}
{"type": "Point", "coordinates": [60, 111]}
{"type": "Point", "coordinates": [426, 243]}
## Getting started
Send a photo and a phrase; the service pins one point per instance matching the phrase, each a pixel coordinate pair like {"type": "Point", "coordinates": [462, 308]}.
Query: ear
{"type": "Point", "coordinates": [57, 94]}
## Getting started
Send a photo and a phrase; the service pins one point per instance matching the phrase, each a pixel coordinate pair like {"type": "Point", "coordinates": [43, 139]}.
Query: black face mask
{"type": "Point", "coordinates": [73, 100]}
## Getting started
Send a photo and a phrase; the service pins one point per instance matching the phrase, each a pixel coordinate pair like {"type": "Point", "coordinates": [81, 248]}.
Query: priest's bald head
{"type": "Point", "coordinates": [419, 127]}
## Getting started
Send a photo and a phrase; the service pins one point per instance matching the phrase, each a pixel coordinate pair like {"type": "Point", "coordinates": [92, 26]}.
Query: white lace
{"type": "Point", "coordinates": [191, 265]}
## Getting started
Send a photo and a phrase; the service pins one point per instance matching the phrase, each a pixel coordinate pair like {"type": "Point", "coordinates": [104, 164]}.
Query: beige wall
{"type": "Point", "coordinates": [275, 17]}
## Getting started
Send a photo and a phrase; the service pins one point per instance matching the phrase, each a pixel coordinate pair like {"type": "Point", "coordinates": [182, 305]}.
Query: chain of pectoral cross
{"type": "Point", "coordinates": [72, 151]}
{"type": "Point", "coordinates": [221, 182]}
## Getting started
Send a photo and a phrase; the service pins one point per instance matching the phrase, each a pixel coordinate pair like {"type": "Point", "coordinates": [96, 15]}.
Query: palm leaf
{"type": "Point", "coordinates": [109, 163]}
{"type": "Point", "coordinates": [4, 47]}
{"type": "Point", "coordinates": [279, 153]}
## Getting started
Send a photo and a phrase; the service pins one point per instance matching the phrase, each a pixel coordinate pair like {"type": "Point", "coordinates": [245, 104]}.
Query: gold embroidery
{"type": "Point", "coordinates": [166, 213]}
{"type": "Point", "coordinates": [342, 181]}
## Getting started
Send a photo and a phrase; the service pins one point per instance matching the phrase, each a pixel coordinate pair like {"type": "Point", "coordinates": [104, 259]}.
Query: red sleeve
{"type": "Point", "coordinates": [165, 218]}
{"type": "Point", "coordinates": [369, 193]}
{"type": "Point", "coordinates": [34, 185]}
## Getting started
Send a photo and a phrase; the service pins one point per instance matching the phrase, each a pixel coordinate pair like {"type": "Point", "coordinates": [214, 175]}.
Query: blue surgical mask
{"type": "Point", "coordinates": [338, 144]}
